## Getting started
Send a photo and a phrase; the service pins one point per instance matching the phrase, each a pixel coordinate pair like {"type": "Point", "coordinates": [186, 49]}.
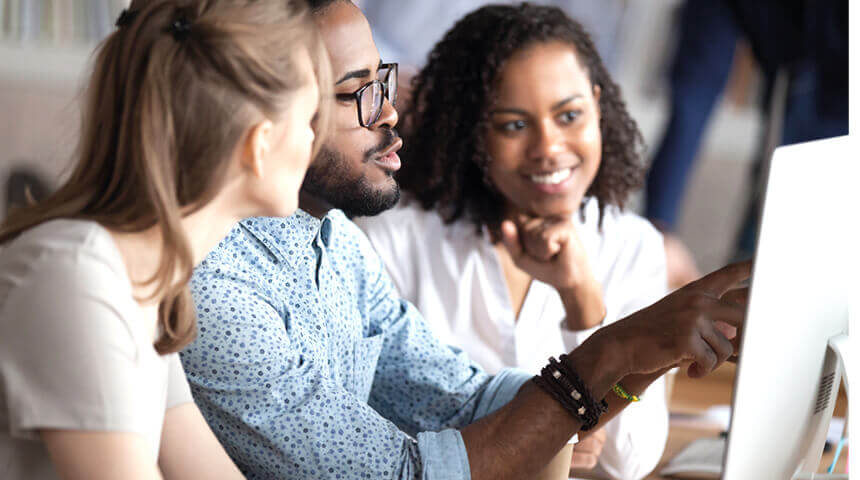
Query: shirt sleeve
{"type": "Point", "coordinates": [178, 391]}
{"type": "Point", "coordinates": [635, 439]}
{"type": "Point", "coordinates": [68, 359]}
{"type": "Point", "coordinates": [637, 436]}
{"type": "Point", "coordinates": [281, 415]}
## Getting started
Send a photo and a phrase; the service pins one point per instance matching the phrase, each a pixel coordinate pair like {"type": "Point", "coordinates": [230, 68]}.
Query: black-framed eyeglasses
{"type": "Point", "coordinates": [371, 96]}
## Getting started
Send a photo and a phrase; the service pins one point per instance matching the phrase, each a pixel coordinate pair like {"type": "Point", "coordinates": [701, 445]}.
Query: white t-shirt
{"type": "Point", "coordinates": [74, 349]}
{"type": "Point", "coordinates": [453, 275]}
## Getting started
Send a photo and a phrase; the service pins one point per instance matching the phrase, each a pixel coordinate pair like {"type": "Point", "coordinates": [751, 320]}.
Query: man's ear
{"type": "Point", "coordinates": [257, 145]}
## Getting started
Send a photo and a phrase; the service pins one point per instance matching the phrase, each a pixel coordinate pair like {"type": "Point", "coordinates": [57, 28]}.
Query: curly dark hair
{"type": "Point", "coordinates": [445, 128]}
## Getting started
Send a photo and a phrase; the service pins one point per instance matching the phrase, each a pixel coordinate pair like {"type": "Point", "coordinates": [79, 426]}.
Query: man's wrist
{"type": "Point", "coordinates": [637, 383]}
{"type": "Point", "coordinates": [599, 363]}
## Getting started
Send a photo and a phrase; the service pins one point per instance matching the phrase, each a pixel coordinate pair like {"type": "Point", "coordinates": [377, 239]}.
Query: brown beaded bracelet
{"type": "Point", "coordinates": [579, 411]}
{"type": "Point", "coordinates": [598, 408]}
{"type": "Point", "coordinates": [561, 381]}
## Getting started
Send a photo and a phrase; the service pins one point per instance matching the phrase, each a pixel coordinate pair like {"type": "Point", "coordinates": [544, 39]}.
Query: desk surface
{"type": "Point", "coordinates": [693, 396]}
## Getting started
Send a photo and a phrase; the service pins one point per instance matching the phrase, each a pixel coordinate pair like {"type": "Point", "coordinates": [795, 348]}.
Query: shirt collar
{"type": "Point", "coordinates": [284, 237]}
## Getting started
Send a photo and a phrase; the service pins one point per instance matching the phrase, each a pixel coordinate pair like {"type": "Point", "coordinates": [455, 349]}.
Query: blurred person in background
{"type": "Point", "coordinates": [801, 47]}
{"type": "Point", "coordinates": [406, 30]}
{"type": "Point", "coordinates": [512, 238]}
{"type": "Point", "coordinates": [198, 113]}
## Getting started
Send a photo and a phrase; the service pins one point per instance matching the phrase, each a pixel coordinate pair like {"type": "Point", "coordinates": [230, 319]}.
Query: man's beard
{"type": "Point", "coordinates": [329, 179]}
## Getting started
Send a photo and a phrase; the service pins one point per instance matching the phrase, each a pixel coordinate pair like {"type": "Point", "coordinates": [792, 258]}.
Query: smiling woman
{"type": "Point", "coordinates": [519, 155]}
{"type": "Point", "coordinates": [544, 135]}
{"type": "Point", "coordinates": [473, 77]}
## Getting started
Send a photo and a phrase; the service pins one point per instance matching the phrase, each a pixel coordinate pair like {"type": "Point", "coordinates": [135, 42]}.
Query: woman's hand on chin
{"type": "Point", "coordinates": [550, 250]}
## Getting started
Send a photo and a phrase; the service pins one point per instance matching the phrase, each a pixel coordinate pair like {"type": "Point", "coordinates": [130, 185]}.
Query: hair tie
{"type": "Point", "coordinates": [180, 27]}
{"type": "Point", "coordinates": [126, 17]}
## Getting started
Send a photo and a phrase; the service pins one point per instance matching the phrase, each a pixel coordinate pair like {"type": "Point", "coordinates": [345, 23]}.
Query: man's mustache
{"type": "Point", "coordinates": [391, 136]}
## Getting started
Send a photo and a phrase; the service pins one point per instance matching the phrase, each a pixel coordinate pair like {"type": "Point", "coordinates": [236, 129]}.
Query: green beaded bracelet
{"type": "Point", "coordinates": [619, 390]}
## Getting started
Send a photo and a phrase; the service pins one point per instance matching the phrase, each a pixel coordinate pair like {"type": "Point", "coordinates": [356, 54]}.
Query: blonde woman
{"type": "Point", "coordinates": [199, 113]}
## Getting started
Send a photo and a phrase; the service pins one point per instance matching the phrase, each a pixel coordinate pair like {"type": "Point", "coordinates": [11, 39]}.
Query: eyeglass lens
{"type": "Point", "coordinates": [372, 96]}
{"type": "Point", "coordinates": [371, 103]}
{"type": "Point", "coordinates": [390, 80]}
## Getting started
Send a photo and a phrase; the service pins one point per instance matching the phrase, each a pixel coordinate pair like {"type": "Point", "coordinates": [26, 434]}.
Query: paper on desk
{"type": "Point", "coordinates": [834, 433]}
{"type": "Point", "coordinates": [719, 417]}
{"type": "Point", "coordinates": [701, 459]}
{"type": "Point", "coordinates": [716, 417]}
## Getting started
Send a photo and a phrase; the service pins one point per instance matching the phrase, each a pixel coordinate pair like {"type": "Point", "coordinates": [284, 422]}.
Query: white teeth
{"type": "Point", "coordinates": [553, 178]}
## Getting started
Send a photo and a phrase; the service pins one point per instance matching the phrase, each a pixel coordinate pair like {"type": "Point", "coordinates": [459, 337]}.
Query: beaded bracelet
{"type": "Point", "coordinates": [561, 381]}
{"type": "Point", "coordinates": [569, 381]}
{"type": "Point", "coordinates": [598, 408]}
{"type": "Point", "coordinates": [566, 393]}
{"type": "Point", "coordinates": [619, 390]}
{"type": "Point", "coordinates": [575, 398]}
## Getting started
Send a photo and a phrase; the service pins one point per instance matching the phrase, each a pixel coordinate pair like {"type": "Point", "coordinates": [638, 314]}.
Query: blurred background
{"type": "Point", "coordinates": [45, 46]}
{"type": "Point", "coordinates": [714, 85]}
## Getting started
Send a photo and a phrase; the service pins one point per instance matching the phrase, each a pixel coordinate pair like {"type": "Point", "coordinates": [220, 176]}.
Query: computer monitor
{"type": "Point", "coordinates": [804, 279]}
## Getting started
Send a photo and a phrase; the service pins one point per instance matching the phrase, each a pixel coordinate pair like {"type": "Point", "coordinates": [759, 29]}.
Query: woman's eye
{"type": "Point", "coordinates": [568, 117]}
{"type": "Point", "coordinates": [513, 126]}
{"type": "Point", "coordinates": [343, 97]}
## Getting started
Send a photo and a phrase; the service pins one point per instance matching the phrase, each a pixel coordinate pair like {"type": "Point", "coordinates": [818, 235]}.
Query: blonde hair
{"type": "Point", "coordinates": [164, 110]}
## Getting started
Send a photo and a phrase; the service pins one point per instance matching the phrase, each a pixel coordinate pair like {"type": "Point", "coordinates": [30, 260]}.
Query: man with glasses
{"type": "Point", "coordinates": [309, 365]}
{"type": "Point", "coordinates": [338, 178]}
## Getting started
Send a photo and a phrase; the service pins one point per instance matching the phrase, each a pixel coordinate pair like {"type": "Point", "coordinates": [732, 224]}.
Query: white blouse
{"type": "Point", "coordinates": [453, 275]}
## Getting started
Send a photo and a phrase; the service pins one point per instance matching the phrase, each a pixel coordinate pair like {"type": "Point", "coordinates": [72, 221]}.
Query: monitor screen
{"type": "Point", "coordinates": [803, 282]}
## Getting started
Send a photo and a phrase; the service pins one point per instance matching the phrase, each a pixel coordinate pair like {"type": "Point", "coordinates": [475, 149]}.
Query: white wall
{"type": "Point", "coordinates": [39, 113]}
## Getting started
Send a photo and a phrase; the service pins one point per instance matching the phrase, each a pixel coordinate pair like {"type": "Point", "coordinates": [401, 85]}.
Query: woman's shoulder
{"type": "Point", "coordinates": [67, 279]}
{"type": "Point", "coordinates": [75, 253]}
{"type": "Point", "coordinates": [408, 209]}
{"type": "Point", "coordinates": [60, 236]}
{"type": "Point", "coordinates": [617, 221]}
{"type": "Point", "coordinates": [407, 218]}
{"type": "Point", "coordinates": [621, 232]}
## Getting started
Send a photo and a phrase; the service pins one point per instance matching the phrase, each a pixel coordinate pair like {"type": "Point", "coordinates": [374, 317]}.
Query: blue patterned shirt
{"type": "Point", "coordinates": [309, 365]}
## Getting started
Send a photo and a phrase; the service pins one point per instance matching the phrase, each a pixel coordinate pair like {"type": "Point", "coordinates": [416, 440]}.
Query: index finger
{"type": "Point", "coordinates": [738, 296]}
{"type": "Point", "coordinates": [511, 239]}
{"type": "Point", "coordinates": [721, 281]}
